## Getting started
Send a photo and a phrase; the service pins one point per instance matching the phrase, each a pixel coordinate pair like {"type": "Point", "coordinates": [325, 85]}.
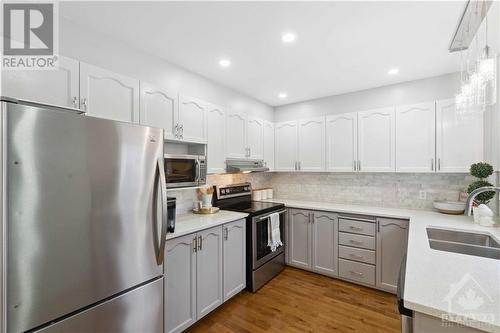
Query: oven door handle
{"type": "Point", "coordinates": [268, 215]}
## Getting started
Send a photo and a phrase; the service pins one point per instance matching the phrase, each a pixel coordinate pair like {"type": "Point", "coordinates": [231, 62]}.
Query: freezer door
{"type": "Point", "coordinates": [82, 214]}
{"type": "Point", "coordinates": [139, 310]}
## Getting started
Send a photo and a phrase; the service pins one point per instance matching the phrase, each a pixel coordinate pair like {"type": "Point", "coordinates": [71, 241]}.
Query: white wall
{"type": "Point", "coordinates": [94, 48]}
{"type": "Point", "coordinates": [441, 87]}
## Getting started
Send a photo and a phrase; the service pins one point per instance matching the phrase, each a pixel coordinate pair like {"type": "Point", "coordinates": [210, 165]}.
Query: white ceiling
{"type": "Point", "coordinates": [340, 46]}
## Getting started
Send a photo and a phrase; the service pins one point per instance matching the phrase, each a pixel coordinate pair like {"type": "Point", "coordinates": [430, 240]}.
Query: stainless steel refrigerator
{"type": "Point", "coordinates": [83, 222]}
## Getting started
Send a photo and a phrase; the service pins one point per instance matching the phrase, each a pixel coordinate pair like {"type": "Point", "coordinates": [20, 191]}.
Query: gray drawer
{"type": "Point", "coordinates": [352, 253]}
{"type": "Point", "coordinates": [357, 227]}
{"type": "Point", "coordinates": [362, 241]}
{"type": "Point", "coordinates": [357, 271]}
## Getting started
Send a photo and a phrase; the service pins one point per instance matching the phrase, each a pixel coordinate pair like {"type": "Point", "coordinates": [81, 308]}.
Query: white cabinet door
{"type": "Point", "coordinates": [56, 87]}
{"type": "Point", "coordinates": [376, 140]}
{"type": "Point", "coordinates": [324, 243]}
{"type": "Point", "coordinates": [299, 239]}
{"type": "Point", "coordinates": [392, 238]}
{"type": "Point", "coordinates": [180, 283]}
{"type": "Point", "coordinates": [415, 137]}
{"type": "Point", "coordinates": [311, 141]}
{"type": "Point", "coordinates": [269, 144]}
{"type": "Point", "coordinates": [341, 142]}
{"type": "Point", "coordinates": [285, 146]}
{"type": "Point", "coordinates": [159, 109]}
{"type": "Point", "coordinates": [216, 147]}
{"type": "Point", "coordinates": [234, 248]}
{"type": "Point", "coordinates": [209, 271]}
{"type": "Point", "coordinates": [236, 135]}
{"type": "Point", "coordinates": [459, 140]}
{"type": "Point", "coordinates": [105, 94]}
{"type": "Point", "coordinates": [192, 119]}
{"type": "Point", "coordinates": [255, 138]}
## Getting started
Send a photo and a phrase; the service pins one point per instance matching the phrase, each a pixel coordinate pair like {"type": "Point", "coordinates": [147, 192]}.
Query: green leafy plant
{"type": "Point", "coordinates": [482, 171]}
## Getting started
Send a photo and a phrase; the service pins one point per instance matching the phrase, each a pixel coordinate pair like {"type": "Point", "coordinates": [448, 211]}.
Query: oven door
{"type": "Point", "coordinates": [261, 251]}
{"type": "Point", "coordinates": [182, 170]}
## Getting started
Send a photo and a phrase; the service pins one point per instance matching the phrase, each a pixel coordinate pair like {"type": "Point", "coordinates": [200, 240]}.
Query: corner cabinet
{"type": "Point", "coordinates": [203, 270]}
{"type": "Point", "coordinates": [192, 119]}
{"type": "Point", "coordinates": [342, 142]}
{"type": "Point", "coordinates": [312, 241]}
{"type": "Point", "coordinates": [159, 109]}
{"type": "Point", "coordinates": [392, 241]}
{"type": "Point", "coordinates": [216, 146]}
{"type": "Point", "coordinates": [376, 140]}
{"type": "Point", "coordinates": [269, 145]}
{"type": "Point", "coordinates": [285, 146]}
{"type": "Point", "coordinates": [109, 95]}
{"type": "Point", "coordinates": [459, 139]}
{"type": "Point", "coordinates": [234, 254]}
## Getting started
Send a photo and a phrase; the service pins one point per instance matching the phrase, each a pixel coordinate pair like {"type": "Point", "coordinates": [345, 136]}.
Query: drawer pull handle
{"type": "Point", "coordinates": [355, 228]}
{"type": "Point", "coordinates": [356, 273]}
{"type": "Point", "coordinates": [356, 256]}
{"type": "Point", "coordinates": [355, 241]}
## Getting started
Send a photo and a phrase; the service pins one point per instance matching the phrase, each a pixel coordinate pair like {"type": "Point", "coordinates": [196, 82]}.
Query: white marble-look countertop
{"type": "Point", "coordinates": [189, 223]}
{"type": "Point", "coordinates": [436, 280]}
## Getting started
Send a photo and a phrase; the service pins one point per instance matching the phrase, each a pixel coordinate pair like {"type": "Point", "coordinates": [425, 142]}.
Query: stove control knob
{"type": "Point", "coordinates": [223, 191]}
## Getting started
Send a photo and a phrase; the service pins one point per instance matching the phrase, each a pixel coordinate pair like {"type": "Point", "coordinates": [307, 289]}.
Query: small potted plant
{"type": "Point", "coordinates": [481, 171]}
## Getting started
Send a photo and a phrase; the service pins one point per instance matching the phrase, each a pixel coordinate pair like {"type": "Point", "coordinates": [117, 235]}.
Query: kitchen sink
{"type": "Point", "coordinates": [470, 243]}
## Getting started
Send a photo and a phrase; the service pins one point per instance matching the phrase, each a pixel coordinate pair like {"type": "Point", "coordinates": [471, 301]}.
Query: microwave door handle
{"type": "Point", "coordinates": [164, 210]}
{"type": "Point", "coordinates": [197, 166]}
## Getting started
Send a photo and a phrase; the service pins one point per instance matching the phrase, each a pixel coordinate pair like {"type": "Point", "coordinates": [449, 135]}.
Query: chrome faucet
{"type": "Point", "coordinates": [473, 195]}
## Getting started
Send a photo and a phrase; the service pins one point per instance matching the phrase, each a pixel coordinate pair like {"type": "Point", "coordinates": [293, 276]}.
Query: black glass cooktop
{"type": "Point", "coordinates": [252, 207]}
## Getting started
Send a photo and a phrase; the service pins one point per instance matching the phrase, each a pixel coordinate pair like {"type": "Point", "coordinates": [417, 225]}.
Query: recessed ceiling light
{"type": "Point", "coordinates": [393, 71]}
{"type": "Point", "coordinates": [225, 62]}
{"type": "Point", "coordinates": [283, 95]}
{"type": "Point", "coordinates": [288, 37]}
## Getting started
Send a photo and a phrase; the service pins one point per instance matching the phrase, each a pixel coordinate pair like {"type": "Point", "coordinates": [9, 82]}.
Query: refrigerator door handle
{"type": "Point", "coordinates": [164, 216]}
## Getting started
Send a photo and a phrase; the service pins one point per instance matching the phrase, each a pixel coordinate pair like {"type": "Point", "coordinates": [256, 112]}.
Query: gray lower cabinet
{"type": "Point", "coordinates": [180, 283]}
{"type": "Point", "coordinates": [194, 269]}
{"type": "Point", "coordinates": [312, 241]}
{"type": "Point", "coordinates": [324, 243]}
{"type": "Point", "coordinates": [299, 239]}
{"type": "Point", "coordinates": [208, 271]}
{"type": "Point", "coordinates": [392, 240]}
{"type": "Point", "coordinates": [234, 258]}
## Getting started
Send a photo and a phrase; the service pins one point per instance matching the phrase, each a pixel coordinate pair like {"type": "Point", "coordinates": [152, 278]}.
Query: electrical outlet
{"type": "Point", "coordinates": [422, 195]}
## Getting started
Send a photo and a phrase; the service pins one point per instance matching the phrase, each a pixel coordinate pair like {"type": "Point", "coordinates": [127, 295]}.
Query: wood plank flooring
{"type": "Point", "coordinates": [299, 301]}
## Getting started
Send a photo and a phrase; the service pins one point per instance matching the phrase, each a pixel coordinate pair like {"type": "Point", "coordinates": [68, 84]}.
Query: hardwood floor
{"type": "Point", "coordinates": [299, 301]}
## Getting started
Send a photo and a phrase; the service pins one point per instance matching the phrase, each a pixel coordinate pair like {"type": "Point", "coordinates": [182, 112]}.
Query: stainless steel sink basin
{"type": "Point", "coordinates": [469, 243]}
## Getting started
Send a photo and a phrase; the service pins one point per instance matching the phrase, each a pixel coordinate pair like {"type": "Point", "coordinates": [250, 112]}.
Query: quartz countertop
{"type": "Point", "coordinates": [436, 280]}
{"type": "Point", "coordinates": [189, 223]}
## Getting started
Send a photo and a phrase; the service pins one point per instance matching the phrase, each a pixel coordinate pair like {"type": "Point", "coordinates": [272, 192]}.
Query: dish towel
{"type": "Point", "coordinates": [273, 232]}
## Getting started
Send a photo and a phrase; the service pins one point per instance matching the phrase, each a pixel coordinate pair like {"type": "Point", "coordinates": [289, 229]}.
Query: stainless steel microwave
{"type": "Point", "coordinates": [185, 170]}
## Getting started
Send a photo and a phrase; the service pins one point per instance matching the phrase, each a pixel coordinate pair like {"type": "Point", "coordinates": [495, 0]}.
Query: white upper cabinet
{"type": "Point", "coordinates": [56, 87]}
{"type": "Point", "coordinates": [269, 144]}
{"type": "Point", "coordinates": [312, 144]}
{"type": "Point", "coordinates": [236, 134]}
{"type": "Point", "coordinates": [286, 146]}
{"type": "Point", "coordinates": [255, 138]}
{"type": "Point", "coordinates": [415, 137]}
{"type": "Point", "coordinates": [192, 119]}
{"type": "Point", "coordinates": [376, 140]}
{"type": "Point", "coordinates": [159, 109]}
{"type": "Point", "coordinates": [341, 142]}
{"type": "Point", "coordinates": [216, 147]}
{"type": "Point", "coordinates": [109, 95]}
{"type": "Point", "coordinates": [459, 140]}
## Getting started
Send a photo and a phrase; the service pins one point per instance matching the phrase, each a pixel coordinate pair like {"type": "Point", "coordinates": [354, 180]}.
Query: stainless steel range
{"type": "Point", "coordinates": [262, 264]}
